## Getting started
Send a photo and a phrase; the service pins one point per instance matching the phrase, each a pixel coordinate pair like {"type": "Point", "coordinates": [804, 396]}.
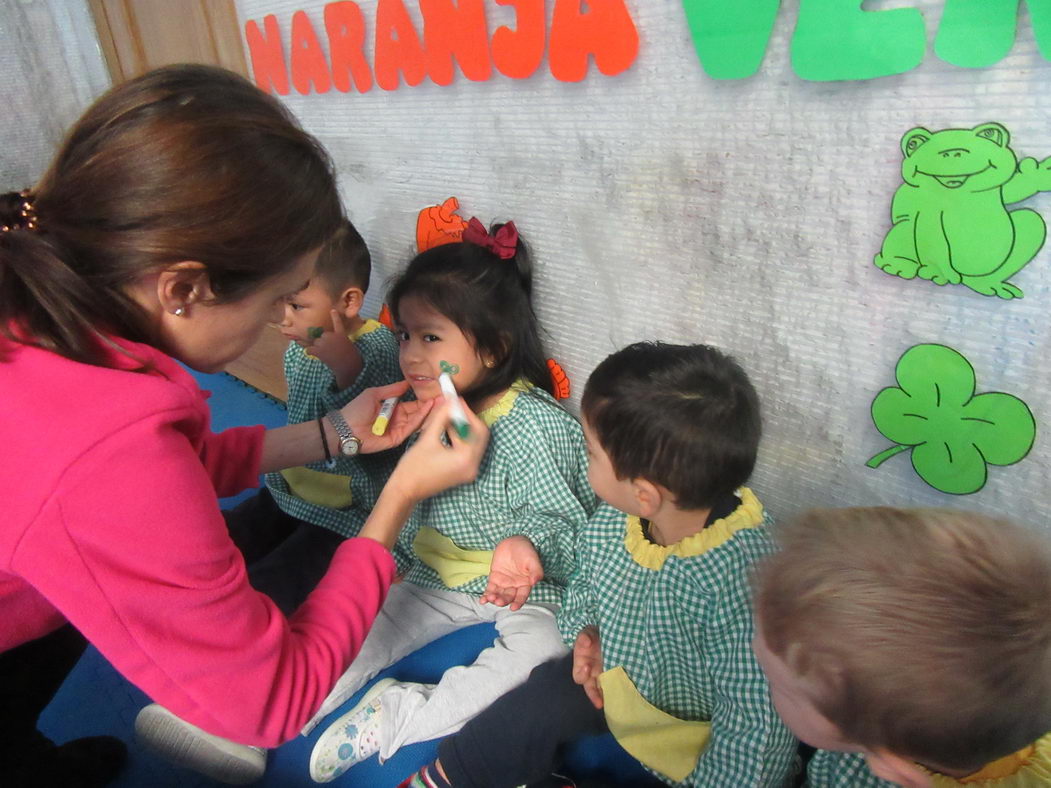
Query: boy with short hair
{"type": "Point", "coordinates": [658, 611]}
{"type": "Point", "coordinates": [912, 646]}
{"type": "Point", "coordinates": [334, 355]}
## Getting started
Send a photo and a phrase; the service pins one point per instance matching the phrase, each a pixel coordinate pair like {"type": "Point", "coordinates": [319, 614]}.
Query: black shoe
{"type": "Point", "coordinates": [91, 762]}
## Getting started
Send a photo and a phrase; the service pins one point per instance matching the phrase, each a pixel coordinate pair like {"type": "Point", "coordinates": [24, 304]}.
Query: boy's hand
{"type": "Point", "coordinates": [587, 664]}
{"type": "Point", "coordinates": [338, 353]}
{"type": "Point", "coordinates": [515, 569]}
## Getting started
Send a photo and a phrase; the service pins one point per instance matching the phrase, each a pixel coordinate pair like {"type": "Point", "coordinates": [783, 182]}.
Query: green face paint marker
{"type": "Point", "coordinates": [315, 332]}
{"type": "Point", "coordinates": [456, 414]}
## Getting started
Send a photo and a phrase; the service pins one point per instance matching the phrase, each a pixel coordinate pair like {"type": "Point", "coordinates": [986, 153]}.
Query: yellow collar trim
{"type": "Point", "coordinates": [366, 328]}
{"type": "Point", "coordinates": [503, 406]}
{"type": "Point", "coordinates": [652, 556]}
{"type": "Point", "coordinates": [1030, 766]}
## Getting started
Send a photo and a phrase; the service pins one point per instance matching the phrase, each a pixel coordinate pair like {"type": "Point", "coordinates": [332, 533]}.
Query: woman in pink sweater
{"type": "Point", "coordinates": [182, 210]}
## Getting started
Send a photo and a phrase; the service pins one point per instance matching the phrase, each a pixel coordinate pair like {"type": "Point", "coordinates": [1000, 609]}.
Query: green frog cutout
{"type": "Point", "coordinates": [951, 223]}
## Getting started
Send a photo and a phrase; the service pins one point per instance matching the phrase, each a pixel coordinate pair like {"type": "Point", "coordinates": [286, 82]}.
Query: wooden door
{"type": "Point", "coordinates": [137, 35]}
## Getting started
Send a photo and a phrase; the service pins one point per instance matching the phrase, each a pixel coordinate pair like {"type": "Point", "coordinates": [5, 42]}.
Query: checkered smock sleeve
{"type": "Point", "coordinates": [749, 744]}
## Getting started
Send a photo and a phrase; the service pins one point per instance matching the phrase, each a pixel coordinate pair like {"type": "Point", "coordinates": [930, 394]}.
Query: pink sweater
{"type": "Point", "coordinates": [109, 486]}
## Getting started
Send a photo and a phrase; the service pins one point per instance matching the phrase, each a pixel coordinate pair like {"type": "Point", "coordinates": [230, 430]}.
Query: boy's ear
{"type": "Point", "coordinates": [350, 301]}
{"type": "Point", "coordinates": [648, 496]}
{"type": "Point", "coordinates": [896, 769]}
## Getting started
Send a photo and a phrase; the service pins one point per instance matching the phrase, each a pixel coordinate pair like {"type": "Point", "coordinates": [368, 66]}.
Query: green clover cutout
{"type": "Point", "coordinates": [953, 433]}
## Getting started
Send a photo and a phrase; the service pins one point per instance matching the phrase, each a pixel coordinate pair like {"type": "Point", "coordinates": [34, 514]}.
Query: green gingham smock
{"type": "Point", "coordinates": [312, 392]}
{"type": "Point", "coordinates": [682, 632]}
{"type": "Point", "coordinates": [532, 482]}
{"type": "Point", "coordinates": [1029, 768]}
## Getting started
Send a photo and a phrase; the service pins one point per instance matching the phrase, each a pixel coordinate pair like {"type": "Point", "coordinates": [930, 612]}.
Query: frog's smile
{"type": "Point", "coordinates": [954, 181]}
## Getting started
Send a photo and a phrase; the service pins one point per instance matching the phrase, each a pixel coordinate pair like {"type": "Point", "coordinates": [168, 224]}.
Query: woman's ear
{"type": "Point", "coordinates": [182, 285]}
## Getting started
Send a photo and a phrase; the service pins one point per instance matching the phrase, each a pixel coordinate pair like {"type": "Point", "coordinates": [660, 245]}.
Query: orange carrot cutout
{"type": "Point", "coordinates": [386, 318]}
{"type": "Point", "coordinates": [559, 379]}
{"type": "Point", "coordinates": [438, 224]}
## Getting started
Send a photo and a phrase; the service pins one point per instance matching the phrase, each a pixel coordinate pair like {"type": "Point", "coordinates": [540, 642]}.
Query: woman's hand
{"type": "Point", "coordinates": [426, 469]}
{"type": "Point", "coordinates": [431, 466]}
{"type": "Point", "coordinates": [361, 412]}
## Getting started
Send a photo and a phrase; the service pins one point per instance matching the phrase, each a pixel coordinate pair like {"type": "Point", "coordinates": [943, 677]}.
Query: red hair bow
{"type": "Point", "coordinates": [503, 243]}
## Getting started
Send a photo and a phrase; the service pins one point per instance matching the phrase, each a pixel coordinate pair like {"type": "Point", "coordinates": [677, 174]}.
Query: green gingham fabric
{"type": "Point", "coordinates": [312, 392]}
{"type": "Point", "coordinates": [683, 634]}
{"type": "Point", "coordinates": [842, 770]}
{"type": "Point", "coordinates": [532, 482]}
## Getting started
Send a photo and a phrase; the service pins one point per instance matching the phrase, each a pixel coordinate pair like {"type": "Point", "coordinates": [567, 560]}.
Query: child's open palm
{"type": "Point", "coordinates": [514, 570]}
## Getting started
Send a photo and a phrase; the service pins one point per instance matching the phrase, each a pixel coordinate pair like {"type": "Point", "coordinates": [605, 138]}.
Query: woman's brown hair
{"type": "Point", "coordinates": [186, 162]}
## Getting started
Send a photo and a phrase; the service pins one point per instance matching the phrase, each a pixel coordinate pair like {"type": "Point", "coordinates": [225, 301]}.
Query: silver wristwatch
{"type": "Point", "coordinates": [349, 443]}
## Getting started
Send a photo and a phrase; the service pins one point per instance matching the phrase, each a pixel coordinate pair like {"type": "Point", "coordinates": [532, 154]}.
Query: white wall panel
{"type": "Point", "coordinates": [664, 204]}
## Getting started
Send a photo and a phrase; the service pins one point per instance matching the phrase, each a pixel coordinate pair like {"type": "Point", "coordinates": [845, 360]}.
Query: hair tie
{"type": "Point", "coordinates": [26, 219]}
{"type": "Point", "coordinates": [503, 243]}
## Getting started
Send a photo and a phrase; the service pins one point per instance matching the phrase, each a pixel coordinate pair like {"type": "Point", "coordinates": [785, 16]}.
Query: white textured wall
{"type": "Point", "coordinates": [663, 204]}
{"type": "Point", "coordinates": [52, 69]}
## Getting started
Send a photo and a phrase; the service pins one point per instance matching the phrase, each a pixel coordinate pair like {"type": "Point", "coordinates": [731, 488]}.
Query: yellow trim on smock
{"type": "Point", "coordinates": [319, 488]}
{"type": "Point", "coordinates": [665, 743]}
{"type": "Point", "coordinates": [1030, 767]}
{"type": "Point", "coordinates": [652, 556]}
{"type": "Point", "coordinates": [454, 565]}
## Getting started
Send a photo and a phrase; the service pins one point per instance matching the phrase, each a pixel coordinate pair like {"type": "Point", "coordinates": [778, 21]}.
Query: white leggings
{"type": "Point", "coordinates": [414, 616]}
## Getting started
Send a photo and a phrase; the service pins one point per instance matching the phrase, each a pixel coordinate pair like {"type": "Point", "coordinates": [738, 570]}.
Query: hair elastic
{"type": "Point", "coordinates": [27, 219]}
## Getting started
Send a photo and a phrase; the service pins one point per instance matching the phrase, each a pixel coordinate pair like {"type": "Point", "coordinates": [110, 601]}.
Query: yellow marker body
{"type": "Point", "coordinates": [379, 426]}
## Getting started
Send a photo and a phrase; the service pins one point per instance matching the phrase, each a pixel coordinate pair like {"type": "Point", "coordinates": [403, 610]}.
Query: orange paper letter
{"type": "Point", "coordinates": [517, 53]}
{"type": "Point", "coordinates": [268, 57]}
{"type": "Point", "coordinates": [455, 29]}
{"type": "Point", "coordinates": [606, 30]}
{"type": "Point", "coordinates": [345, 26]}
{"type": "Point", "coordinates": [308, 61]}
{"type": "Point", "coordinates": [398, 47]}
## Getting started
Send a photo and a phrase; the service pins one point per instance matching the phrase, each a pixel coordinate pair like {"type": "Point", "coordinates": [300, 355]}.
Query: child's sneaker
{"type": "Point", "coordinates": [183, 744]}
{"type": "Point", "coordinates": [350, 739]}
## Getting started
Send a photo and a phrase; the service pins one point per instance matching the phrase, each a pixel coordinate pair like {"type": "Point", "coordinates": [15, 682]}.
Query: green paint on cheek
{"type": "Point", "coordinates": [452, 369]}
{"type": "Point", "coordinates": [315, 332]}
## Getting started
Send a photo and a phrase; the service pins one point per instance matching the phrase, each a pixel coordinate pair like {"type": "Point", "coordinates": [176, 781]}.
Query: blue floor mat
{"type": "Point", "coordinates": [96, 700]}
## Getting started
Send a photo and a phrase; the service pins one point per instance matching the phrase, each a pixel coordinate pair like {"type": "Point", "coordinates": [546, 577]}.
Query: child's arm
{"type": "Point", "coordinates": [514, 570]}
{"type": "Point", "coordinates": [338, 353]}
{"type": "Point", "coordinates": [749, 744]}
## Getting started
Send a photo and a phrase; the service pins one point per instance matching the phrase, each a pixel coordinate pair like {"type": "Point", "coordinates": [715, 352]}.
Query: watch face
{"type": "Point", "coordinates": [349, 446]}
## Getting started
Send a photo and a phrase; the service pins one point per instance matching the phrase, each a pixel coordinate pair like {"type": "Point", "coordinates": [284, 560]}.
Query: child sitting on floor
{"type": "Point", "coordinates": [658, 610]}
{"type": "Point", "coordinates": [913, 647]}
{"type": "Point", "coordinates": [465, 308]}
{"type": "Point", "coordinates": [333, 356]}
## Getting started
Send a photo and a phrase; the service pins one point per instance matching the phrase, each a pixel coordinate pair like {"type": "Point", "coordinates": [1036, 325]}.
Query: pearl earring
{"type": "Point", "coordinates": [179, 311]}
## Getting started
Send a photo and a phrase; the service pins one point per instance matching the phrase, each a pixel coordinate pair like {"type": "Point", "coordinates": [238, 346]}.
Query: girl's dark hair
{"type": "Point", "coordinates": [187, 162]}
{"type": "Point", "coordinates": [490, 301]}
{"type": "Point", "coordinates": [685, 417]}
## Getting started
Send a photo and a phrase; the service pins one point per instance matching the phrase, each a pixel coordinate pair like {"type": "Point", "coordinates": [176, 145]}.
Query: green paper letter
{"type": "Point", "coordinates": [836, 40]}
{"type": "Point", "coordinates": [730, 38]}
{"type": "Point", "coordinates": [980, 33]}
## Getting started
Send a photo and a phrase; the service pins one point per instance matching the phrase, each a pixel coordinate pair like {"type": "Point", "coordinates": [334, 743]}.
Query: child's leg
{"type": "Point", "coordinates": [519, 738]}
{"type": "Point", "coordinates": [410, 618]}
{"type": "Point", "coordinates": [419, 712]}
